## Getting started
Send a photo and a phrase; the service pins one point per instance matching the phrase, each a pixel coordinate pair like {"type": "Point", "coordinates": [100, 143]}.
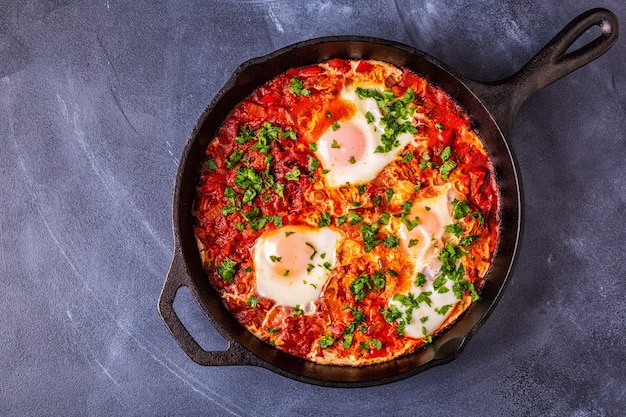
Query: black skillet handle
{"type": "Point", "coordinates": [504, 98]}
{"type": "Point", "coordinates": [177, 277]}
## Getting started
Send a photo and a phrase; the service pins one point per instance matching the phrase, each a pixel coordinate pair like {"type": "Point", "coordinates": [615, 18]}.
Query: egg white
{"type": "Point", "coordinates": [425, 320]}
{"type": "Point", "coordinates": [289, 287]}
{"type": "Point", "coordinates": [367, 167]}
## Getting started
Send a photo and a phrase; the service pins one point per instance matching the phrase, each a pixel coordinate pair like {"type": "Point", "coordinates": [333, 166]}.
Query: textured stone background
{"type": "Point", "coordinates": [97, 100]}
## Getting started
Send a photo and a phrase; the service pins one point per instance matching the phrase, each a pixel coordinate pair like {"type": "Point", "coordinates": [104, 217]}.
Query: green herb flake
{"type": "Point", "coordinates": [326, 341]}
{"type": "Point", "coordinates": [446, 169]}
{"type": "Point", "coordinates": [324, 220]}
{"type": "Point", "coordinates": [293, 174]}
{"type": "Point", "coordinates": [347, 340]}
{"type": "Point", "coordinates": [227, 269]}
{"type": "Point", "coordinates": [376, 344]}
{"type": "Point", "coordinates": [460, 209]}
{"type": "Point", "coordinates": [391, 241]}
{"type": "Point", "coordinates": [445, 153]}
{"type": "Point", "coordinates": [297, 311]}
{"type": "Point", "coordinates": [245, 135]}
{"type": "Point", "coordinates": [290, 134]}
{"type": "Point", "coordinates": [420, 279]}
{"type": "Point", "coordinates": [297, 87]}
{"type": "Point", "coordinates": [252, 301]}
{"type": "Point", "coordinates": [389, 193]}
{"type": "Point", "coordinates": [341, 220]}
{"type": "Point", "coordinates": [233, 158]}
{"type": "Point", "coordinates": [454, 229]}
{"type": "Point", "coordinates": [443, 310]}
{"type": "Point", "coordinates": [210, 163]}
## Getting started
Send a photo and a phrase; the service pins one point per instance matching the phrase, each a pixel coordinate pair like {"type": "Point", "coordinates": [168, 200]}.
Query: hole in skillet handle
{"type": "Point", "coordinates": [178, 277]}
{"type": "Point", "coordinates": [569, 50]}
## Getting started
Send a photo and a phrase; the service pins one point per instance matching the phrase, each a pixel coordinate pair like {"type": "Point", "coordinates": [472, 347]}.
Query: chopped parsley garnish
{"type": "Point", "coordinates": [227, 269]}
{"type": "Point", "coordinates": [335, 144]}
{"type": "Point", "coordinates": [326, 341]}
{"type": "Point", "coordinates": [445, 153]}
{"type": "Point", "coordinates": [467, 240]}
{"type": "Point", "coordinates": [354, 217]}
{"type": "Point", "coordinates": [376, 344]}
{"type": "Point", "coordinates": [454, 229]}
{"type": "Point", "coordinates": [324, 220]}
{"type": "Point", "coordinates": [233, 158]}
{"type": "Point", "coordinates": [313, 163]}
{"type": "Point", "coordinates": [245, 135]}
{"type": "Point", "coordinates": [369, 233]}
{"type": "Point", "coordinates": [389, 193]}
{"type": "Point", "coordinates": [420, 279]}
{"type": "Point", "coordinates": [265, 135]}
{"type": "Point", "coordinates": [297, 310]}
{"type": "Point", "coordinates": [293, 174]}
{"type": "Point", "coordinates": [252, 301]}
{"type": "Point", "coordinates": [408, 157]}
{"type": "Point", "coordinates": [443, 310]}
{"type": "Point", "coordinates": [391, 313]}
{"type": "Point", "coordinates": [335, 126]}
{"type": "Point", "coordinates": [439, 126]}
{"type": "Point", "coordinates": [460, 209]}
{"type": "Point", "coordinates": [310, 245]}
{"type": "Point", "coordinates": [478, 215]}
{"type": "Point", "coordinates": [391, 241]}
{"type": "Point", "coordinates": [410, 224]}
{"type": "Point", "coordinates": [425, 161]}
{"type": "Point", "coordinates": [369, 117]}
{"type": "Point", "coordinates": [413, 242]}
{"type": "Point", "coordinates": [396, 115]}
{"type": "Point", "coordinates": [290, 134]}
{"type": "Point", "coordinates": [446, 169]}
{"type": "Point", "coordinates": [210, 163]}
{"type": "Point", "coordinates": [297, 87]}
{"type": "Point", "coordinates": [358, 319]}
{"type": "Point", "coordinates": [275, 258]}
{"type": "Point", "coordinates": [366, 283]}
{"type": "Point", "coordinates": [313, 146]}
{"type": "Point", "coordinates": [341, 220]}
{"type": "Point", "coordinates": [352, 160]}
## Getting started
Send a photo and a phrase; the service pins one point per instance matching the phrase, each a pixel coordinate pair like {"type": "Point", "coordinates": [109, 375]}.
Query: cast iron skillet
{"type": "Point", "coordinates": [491, 107]}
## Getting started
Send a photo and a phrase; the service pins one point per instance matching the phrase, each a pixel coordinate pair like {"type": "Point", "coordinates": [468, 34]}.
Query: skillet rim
{"type": "Point", "coordinates": [447, 346]}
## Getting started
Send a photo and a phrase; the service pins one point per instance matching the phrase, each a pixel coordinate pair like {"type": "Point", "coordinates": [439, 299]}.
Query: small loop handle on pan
{"type": "Point", "coordinates": [550, 64]}
{"type": "Point", "coordinates": [177, 277]}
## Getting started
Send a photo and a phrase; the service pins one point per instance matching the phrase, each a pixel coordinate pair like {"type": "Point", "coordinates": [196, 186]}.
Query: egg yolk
{"type": "Point", "coordinates": [293, 253]}
{"type": "Point", "coordinates": [428, 229]}
{"type": "Point", "coordinates": [345, 145]}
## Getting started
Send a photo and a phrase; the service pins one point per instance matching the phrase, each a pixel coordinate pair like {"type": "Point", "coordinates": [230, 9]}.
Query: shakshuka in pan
{"type": "Point", "coordinates": [346, 212]}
